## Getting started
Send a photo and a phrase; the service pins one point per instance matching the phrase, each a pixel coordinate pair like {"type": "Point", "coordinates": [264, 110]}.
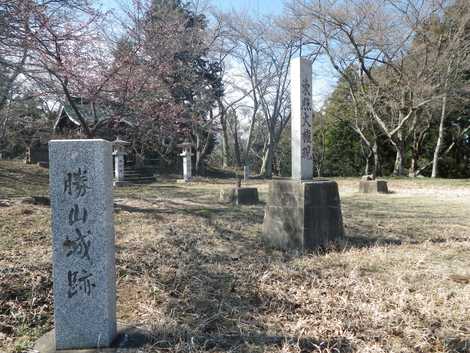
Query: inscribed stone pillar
{"type": "Point", "coordinates": [83, 243]}
{"type": "Point", "coordinates": [302, 213]}
{"type": "Point", "coordinates": [301, 119]}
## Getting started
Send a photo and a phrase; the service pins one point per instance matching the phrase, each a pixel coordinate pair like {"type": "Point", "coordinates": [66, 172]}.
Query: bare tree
{"type": "Point", "coordinates": [376, 37]}
{"type": "Point", "coordinates": [449, 41]}
{"type": "Point", "coordinates": [260, 55]}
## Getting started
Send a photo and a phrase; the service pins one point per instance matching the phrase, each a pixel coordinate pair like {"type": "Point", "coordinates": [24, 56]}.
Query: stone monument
{"type": "Point", "coordinates": [302, 213]}
{"type": "Point", "coordinates": [187, 161]}
{"type": "Point", "coordinates": [239, 195]}
{"type": "Point", "coordinates": [84, 276]}
{"type": "Point", "coordinates": [119, 154]}
{"type": "Point", "coordinates": [369, 184]}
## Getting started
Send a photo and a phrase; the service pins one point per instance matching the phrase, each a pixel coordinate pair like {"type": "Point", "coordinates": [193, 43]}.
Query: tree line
{"type": "Point", "coordinates": [186, 71]}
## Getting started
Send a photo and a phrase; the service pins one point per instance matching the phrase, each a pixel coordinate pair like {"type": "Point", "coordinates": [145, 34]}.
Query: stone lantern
{"type": "Point", "coordinates": [119, 154]}
{"type": "Point", "coordinates": [187, 161]}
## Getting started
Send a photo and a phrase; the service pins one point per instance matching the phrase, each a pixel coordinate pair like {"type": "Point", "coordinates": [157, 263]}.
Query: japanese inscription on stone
{"type": "Point", "coordinates": [301, 119]}
{"type": "Point", "coordinates": [76, 185]}
{"type": "Point", "coordinates": [306, 111]}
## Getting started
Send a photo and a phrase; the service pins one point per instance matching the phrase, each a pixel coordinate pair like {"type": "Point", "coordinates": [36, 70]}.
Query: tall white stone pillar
{"type": "Point", "coordinates": [301, 119]}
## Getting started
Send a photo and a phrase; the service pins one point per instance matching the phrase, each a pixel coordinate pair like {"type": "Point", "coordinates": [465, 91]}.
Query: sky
{"type": "Point", "coordinates": [324, 78]}
{"type": "Point", "coordinates": [257, 6]}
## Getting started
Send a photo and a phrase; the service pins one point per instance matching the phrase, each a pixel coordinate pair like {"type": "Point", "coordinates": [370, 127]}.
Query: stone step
{"type": "Point", "coordinates": [138, 174]}
{"type": "Point", "coordinates": [140, 181]}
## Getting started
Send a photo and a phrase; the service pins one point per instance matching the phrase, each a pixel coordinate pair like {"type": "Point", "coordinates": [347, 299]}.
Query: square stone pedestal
{"type": "Point", "coordinates": [373, 186]}
{"type": "Point", "coordinates": [302, 215]}
{"type": "Point", "coordinates": [239, 196]}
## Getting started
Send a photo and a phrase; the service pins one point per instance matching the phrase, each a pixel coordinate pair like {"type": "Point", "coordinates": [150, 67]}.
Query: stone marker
{"type": "Point", "coordinates": [301, 120]}
{"type": "Point", "coordinates": [84, 275]}
{"type": "Point", "coordinates": [187, 162]}
{"type": "Point", "coordinates": [373, 186]}
{"type": "Point", "coordinates": [239, 196]}
{"type": "Point", "coordinates": [302, 213]}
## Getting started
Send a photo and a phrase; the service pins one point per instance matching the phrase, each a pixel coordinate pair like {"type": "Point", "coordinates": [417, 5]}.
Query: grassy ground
{"type": "Point", "coordinates": [195, 274]}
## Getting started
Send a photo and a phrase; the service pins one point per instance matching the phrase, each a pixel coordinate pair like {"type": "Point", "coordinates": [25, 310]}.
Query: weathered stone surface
{"type": "Point", "coordinates": [302, 113]}
{"type": "Point", "coordinates": [119, 159]}
{"type": "Point", "coordinates": [302, 215]}
{"type": "Point", "coordinates": [239, 196]}
{"type": "Point", "coordinates": [128, 339]}
{"type": "Point", "coordinates": [83, 243]}
{"type": "Point", "coordinates": [119, 175]}
{"type": "Point", "coordinates": [373, 186]}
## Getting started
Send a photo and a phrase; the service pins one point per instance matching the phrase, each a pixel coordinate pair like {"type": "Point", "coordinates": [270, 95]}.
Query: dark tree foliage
{"type": "Point", "coordinates": [193, 81]}
{"type": "Point", "coordinates": [343, 155]}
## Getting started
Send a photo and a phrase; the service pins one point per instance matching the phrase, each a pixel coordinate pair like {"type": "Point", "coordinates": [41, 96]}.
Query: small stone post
{"type": "Point", "coordinates": [301, 126]}
{"type": "Point", "coordinates": [84, 277]}
{"type": "Point", "coordinates": [187, 161]}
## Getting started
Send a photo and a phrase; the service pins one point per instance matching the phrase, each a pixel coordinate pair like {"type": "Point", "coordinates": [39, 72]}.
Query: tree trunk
{"type": "Point", "coordinates": [225, 144]}
{"type": "Point", "coordinates": [375, 151]}
{"type": "Point", "coordinates": [440, 139]}
{"type": "Point", "coordinates": [399, 145]}
{"type": "Point", "coordinates": [366, 169]}
{"type": "Point", "coordinates": [413, 164]}
{"type": "Point", "coordinates": [399, 169]}
{"type": "Point", "coordinates": [236, 144]}
{"type": "Point", "coordinates": [250, 138]}
{"type": "Point", "coordinates": [197, 165]}
{"type": "Point", "coordinates": [267, 165]}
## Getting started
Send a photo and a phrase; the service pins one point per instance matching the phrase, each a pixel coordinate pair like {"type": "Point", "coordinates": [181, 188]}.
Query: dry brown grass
{"type": "Point", "coordinates": [194, 273]}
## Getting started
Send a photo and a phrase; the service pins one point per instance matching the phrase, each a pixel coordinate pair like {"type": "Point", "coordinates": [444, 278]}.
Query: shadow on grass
{"type": "Point", "coordinates": [364, 241]}
{"type": "Point", "coordinates": [238, 343]}
{"type": "Point", "coordinates": [209, 303]}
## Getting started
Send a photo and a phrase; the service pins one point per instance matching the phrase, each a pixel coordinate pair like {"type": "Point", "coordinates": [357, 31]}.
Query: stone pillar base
{"type": "Point", "coordinates": [239, 196]}
{"type": "Point", "coordinates": [129, 339]}
{"type": "Point", "coordinates": [302, 215]}
{"type": "Point", "coordinates": [373, 186]}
